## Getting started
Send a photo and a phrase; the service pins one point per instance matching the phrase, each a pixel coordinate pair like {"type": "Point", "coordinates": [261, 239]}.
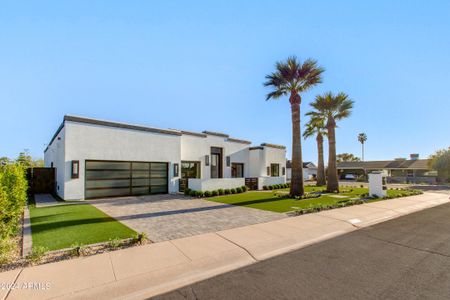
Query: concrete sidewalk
{"type": "Point", "coordinates": [145, 271]}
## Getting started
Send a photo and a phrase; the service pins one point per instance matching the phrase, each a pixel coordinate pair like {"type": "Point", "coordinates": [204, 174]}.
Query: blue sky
{"type": "Point", "coordinates": [199, 65]}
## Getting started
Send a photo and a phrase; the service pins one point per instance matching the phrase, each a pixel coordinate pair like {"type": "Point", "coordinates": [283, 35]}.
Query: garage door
{"type": "Point", "coordinates": [124, 178]}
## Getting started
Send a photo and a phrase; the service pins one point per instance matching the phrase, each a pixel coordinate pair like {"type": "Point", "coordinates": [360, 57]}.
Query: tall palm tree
{"type": "Point", "coordinates": [316, 127]}
{"type": "Point", "coordinates": [362, 138]}
{"type": "Point", "coordinates": [291, 78]}
{"type": "Point", "coordinates": [332, 108]}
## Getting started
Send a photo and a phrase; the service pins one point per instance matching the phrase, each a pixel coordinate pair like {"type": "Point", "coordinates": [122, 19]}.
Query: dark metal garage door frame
{"type": "Point", "coordinates": [130, 177]}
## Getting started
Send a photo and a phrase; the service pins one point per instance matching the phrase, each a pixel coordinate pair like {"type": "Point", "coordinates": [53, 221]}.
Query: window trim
{"type": "Point", "coordinates": [272, 174]}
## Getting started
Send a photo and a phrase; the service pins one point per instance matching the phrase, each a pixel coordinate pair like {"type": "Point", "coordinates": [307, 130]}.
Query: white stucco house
{"type": "Point", "coordinates": [96, 159]}
{"type": "Point", "coordinates": [309, 170]}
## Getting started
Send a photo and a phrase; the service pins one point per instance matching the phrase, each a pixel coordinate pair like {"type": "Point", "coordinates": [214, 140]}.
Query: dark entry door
{"type": "Point", "coordinates": [216, 162]}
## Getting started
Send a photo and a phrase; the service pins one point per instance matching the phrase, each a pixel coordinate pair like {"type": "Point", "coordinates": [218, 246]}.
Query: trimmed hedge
{"type": "Point", "coordinates": [219, 192]}
{"type": "Point", "coordinates": [276, 186]}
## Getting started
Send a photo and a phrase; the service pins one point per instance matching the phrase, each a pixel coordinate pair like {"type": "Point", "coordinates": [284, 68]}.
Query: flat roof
{"type": "Point", "coordinates": [106, 123]}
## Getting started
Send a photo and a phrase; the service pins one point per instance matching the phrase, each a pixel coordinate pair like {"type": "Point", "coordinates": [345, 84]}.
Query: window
{"type": "Point", "coordinates": [284, 171]}
{"type": "Point", "coordinates": [237, 170]}
{"type": "Point", "coordinates": [207, 160]}
{"type": "Point", "coordinates": [190, 169]}
{"type": "Point", "coordinates": [274, 170]}
{"type": "Point", "coordinates": [228, 161]}
{"type": "Point", "coordinates": [175, 170]}
{"type": "Point", "coordinates": [75, 169]}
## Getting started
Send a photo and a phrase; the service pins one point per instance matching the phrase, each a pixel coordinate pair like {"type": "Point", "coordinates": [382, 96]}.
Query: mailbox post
{"type": "Point", "coordinates": [377, 184]}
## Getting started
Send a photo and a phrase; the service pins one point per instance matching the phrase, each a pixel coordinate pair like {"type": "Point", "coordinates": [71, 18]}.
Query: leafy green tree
{"type": "Point", "coordinates": [27, 161]}
{"type": "Point", "coordinates": [292, 78]}
{"type": "Point", "coordinates": [346, 157]}
{"type": "Point", "coordinates": [331, 108]}
{"type": "Point", "coordinates": [440, 161]}
{"type": "Point", "coordinates": [362, 138]}
{"type": "Point", "coordinates": [316, 127]}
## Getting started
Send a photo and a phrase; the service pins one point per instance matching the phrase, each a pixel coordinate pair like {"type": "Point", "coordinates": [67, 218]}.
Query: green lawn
{"type": "Point", "coordinates": [268, 200]}
{"type": "Point", "coordinates": [64, 226]}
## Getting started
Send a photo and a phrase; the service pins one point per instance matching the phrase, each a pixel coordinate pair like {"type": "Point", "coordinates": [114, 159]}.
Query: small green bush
{"type": "Point", "coordinates": [227, 191]}
{"type": "Point", "coordinates": [207, 194]}
{"type": "Point", "coordinates": [238, 190]}
{"type": "Point", "coordinates": [192, 193]}
{"type": "Point", "coordinates": [265, 187]}
{"type": "Point", "coordinates": [214, 193]}
{"type": "Point", "coordinates": [199, 194]}
{"type": "Point", "coordinates": [270, 187]}
{"type": "Point", "coordinates": [187, 192]}
{"type": "Point", "coordinates": [139, 238]}
{"type": "Point", "coordinates": [233, 191]}
{"type": "Point", "coordinates": [114, 243]}
{"type": "Point", "coordinates": [221, 192]}
{"type": "Point", "coordinates": [244, 188]}
{"type": "Point", "coordinates": [36, 254]}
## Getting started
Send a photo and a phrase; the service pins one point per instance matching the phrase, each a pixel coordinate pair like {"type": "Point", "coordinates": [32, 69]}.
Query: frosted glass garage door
{"type": "Point", "coordinates": [118, 178]}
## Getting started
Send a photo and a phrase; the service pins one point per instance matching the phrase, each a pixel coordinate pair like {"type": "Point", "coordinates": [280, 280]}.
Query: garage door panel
{"type": "Point", "coordinates": [110, 178]}
{"type": "Point", "coordinates": [114, 183]}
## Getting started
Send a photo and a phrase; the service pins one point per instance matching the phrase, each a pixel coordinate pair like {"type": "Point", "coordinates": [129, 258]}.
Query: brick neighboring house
{"type": "Point", "coordinates": [413, 170]}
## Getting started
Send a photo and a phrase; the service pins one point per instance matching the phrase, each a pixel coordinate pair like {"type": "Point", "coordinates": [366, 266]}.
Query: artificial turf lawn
{"type": "Point", "coordinates": [268, 200]}
{"type": "Point", "coordinates": [64, 226]}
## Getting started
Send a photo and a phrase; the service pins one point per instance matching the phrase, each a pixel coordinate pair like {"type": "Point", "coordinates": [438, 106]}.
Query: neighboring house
{"type": "Point", "coordinates": [95, 158]}
{"type": "Point", "coordinates": [413, 170]}
{"type": "Point", "coordinates": [309, 170]}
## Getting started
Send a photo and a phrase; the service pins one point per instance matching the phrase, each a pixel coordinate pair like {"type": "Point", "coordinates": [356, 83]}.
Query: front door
{"type": "Point", "coordinates": [216, 162]}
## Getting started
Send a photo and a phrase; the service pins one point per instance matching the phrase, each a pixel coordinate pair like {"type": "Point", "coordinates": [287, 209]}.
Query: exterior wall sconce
{"type": "Point", "coordinates": [268, 171]}
{"type": "Point", "coordinates": [75, 169]}
{"type": "Point", "coordinates": [284, 171]}
{"type": "Point", "coordinates": [175, 170]}
{"type": "Point", "coordinates": [228, 161]}
{"type": "Point", "coordinates": [206, 160]}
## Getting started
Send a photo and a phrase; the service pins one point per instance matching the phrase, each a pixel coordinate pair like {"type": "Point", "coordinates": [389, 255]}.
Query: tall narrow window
{"type": "Point", "coordinates": [175, 170]}
{"type": "Point", "coordinates": [274, 170]}
{"type": "Point", "coordinates": [237, 170]}
{"type": "Point", "coordinates": [75, 169]}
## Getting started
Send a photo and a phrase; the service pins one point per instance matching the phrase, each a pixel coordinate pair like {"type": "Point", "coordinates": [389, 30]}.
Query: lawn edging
{"type": "Point", "coordinates": [27, 241]}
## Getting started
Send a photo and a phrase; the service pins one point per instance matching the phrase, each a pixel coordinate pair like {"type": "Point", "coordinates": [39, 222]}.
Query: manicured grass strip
{"type": "Point", "coordinates": [269, 201]}
{"type": "Point", "coordinates": [64, 226]}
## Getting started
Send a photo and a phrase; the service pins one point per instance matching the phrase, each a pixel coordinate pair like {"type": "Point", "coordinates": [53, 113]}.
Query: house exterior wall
{"type": "Point", "coordinates": [55, 153]}
{"type": "Point", "coordinates": [195, 148]}
{"type": "Point", "coordinates": [88, 140]}
{"type": "Point", "coordinates": [91, 142]}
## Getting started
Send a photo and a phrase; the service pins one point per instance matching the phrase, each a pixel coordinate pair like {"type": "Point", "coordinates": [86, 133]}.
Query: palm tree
{"type": "Point", "coordinates": [332, 108]}
{"type": "Point", "coordinates": [316, 127]}
{"type": "Point", "coordinates": [291, 78]}
{"type": "Point", "coordinates": [362, 138]}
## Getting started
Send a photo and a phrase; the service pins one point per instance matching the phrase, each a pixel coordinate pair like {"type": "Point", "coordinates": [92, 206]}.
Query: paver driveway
{"type": "Point", "coordinates": [166, 217]}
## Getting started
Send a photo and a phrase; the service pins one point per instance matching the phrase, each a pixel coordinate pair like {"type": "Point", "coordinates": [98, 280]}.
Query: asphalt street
{"type": "Point", "coordinates": [405, 258]}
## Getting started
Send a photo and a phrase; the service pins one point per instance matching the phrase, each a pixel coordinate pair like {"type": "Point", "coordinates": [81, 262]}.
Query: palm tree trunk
{"type": "Point", "coordinates": [297, 163]}
{"type": "Point", "coordinates": [320, 163]}
{"type": "Point", "coordinates": [332, 180]}
{"type": "Point", "coordinates": [362, 151]}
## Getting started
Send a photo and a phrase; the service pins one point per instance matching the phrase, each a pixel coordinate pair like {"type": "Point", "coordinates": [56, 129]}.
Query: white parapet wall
{"type": "Point", "coordinates": [262, 181]}
{"type": "Point", "coordinates": [212, 184]}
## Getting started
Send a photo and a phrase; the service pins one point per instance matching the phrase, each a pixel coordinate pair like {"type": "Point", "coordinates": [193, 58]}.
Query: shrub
{"type": "Point", "coordinates": [36, 254]}
{"type": "Point", "coordinates": [192, 193]}
{"type": "Point", "coordinates": [13, 196]}
{"type": "Point", "coordinates": [187, 192]}
{"type": "Point", "coordinates": [199, 194]}
{"type": "Point", "coordinates": [139, 238]}
{"type": "Point", "coordinates": [207, 194]}
{"type": "Point", "coordinates": [221, 191]}
{"type": "Point", "coordinates": [114, 243]}
{"type": "Point", "coordinates": [244, 188]}
{"type": "Point", "coordinates": [270, 187]}
{"type": "Point", "coordinates": [238, 190]}
{"type": "Point", "coordinates": [77, 250]}
{"type": "Point", "coordinates": [227, 191]}
{"type": "Point", "coordinates": [214, 193]}
{"type": "Point", "coordinates": [265, 187]}
{"type": "Point", "coordinates": [233, 191]}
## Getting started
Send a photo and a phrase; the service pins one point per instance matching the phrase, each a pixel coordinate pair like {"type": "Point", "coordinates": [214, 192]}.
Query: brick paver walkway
{"type": "Point", "coordinates": [167, 217]}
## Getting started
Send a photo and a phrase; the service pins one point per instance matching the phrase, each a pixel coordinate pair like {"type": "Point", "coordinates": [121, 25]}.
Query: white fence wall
{"type": "Point", "coordinates": [197, 184]}
{"type": "Point", "coordinates": [262, 181]}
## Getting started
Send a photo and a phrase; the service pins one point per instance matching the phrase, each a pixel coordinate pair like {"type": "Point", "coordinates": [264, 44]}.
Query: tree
{"type": "Point", "coordinates": [332, 108]}
{"type": "Point", "coordinates": [291, 78]}
{"type": "Point", "coordinates": [440, 161]}
{"type": "Point", "coordinates": [316, 127]}
{"type": "Point", "coordinates": [346, 157]}
{"type": "Point", "coordinates": [27, 161]}
{"type": "Point", "coordinates": [362, 138]}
